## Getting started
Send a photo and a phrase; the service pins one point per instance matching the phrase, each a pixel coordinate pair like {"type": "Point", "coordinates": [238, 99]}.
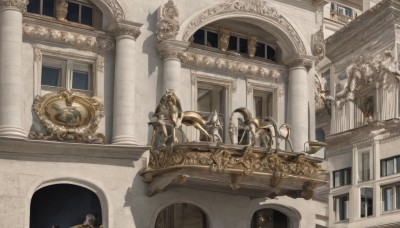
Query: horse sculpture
{"type": "Point", "coordinates": [168, 117]}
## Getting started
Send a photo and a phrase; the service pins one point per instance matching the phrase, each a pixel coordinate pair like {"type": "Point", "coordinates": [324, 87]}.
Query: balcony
{"type": "Point", "coordinates": [255, 166]}
{"type": "Point", "coordinates": [336, 16]}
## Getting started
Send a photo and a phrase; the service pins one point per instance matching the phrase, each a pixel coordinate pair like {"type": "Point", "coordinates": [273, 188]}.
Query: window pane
{"type": "Point", "coordinates": [398, 197]}
{"type": "Point", "coordinates": [258, 106]}
{"type": "Point", "coordinates": [365, 167]}
{"type": "Point", "coordinates": [232, 43]}
{"type": "Point", "coordinates": [198, 37]}
{"type": "Point", "coordinates": [203, 100]}
{"type": "Point", "coordinates": [388, 199]}
{"type": "Point", "coordinates": [243, 45]}
{"type": "Point", "coordinates": [34, 6]}
{"type": "Point", "coordinates": [212, 39]}
{"type": "Point", "coordinates": [50, 76]}
{"type": "Point", "coordinates": [336, 180]}
{"type": "Point", "coordinates": [390, 166]}
{"type": "Point", "coordinates": [48, 7]}
{"type": "Point", "coordinates": [260, 50]}
{"type": "Point", "coordinates": [271, 54]}
{"type": "Point", "coordinates": [80, 80]}
{"type": "Point", "coordinates": [86, 17]}
{"type": "Point", "coordinates": [398, 165]}
{"type": "Point", "coordinates": [366, 202]}
{"type": "Point", "coordinates": [73, 12]}
{"type": "Point", "coordinates": [383, 168]}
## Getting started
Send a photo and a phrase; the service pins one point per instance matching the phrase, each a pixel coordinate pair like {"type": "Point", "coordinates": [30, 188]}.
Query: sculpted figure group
{"type": "Point", "coordinates": [169, 118]}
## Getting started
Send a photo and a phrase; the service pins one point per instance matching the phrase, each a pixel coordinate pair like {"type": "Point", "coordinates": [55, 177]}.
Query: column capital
{"type": "Point", "coordinates": [127, 29]}
{"type": "Point", "coordinates": [172, 49]}
{"type": "Point", "coordinates": [304, 61]}
{"type": "Point", "coordinates": [16, 4]}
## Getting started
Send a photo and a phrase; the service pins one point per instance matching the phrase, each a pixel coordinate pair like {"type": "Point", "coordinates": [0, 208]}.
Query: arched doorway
{"type": "Point", "coordinates": [269, 218]}
{"type": "Point", "coordinates": [181, 215]}
{"type": "Point", "coordinates": [64, 205]}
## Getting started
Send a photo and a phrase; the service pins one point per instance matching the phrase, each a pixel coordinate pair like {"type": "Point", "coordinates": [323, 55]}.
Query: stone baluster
{"type": "Point", "coordinates": [298, 102]}
{"type": "Point", "coordinates": [11, 81]}
{"type": "Point", "coordinates": [124, 84]}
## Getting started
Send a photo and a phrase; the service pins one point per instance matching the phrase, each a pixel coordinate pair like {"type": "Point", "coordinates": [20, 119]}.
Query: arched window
{"type": "Point", "coordinates": [64, 205]}
{"type": "Point", "coordinates": [269, 218]}
{"type": "Point", "coordinates": [181, 215]}
{"type": "Point", "coordinates": [82, 12]}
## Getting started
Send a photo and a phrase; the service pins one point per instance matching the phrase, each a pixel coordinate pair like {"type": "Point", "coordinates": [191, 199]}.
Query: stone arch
{"type": "Point", "coordinates": [257, 11]}
{"type": "Point", "coordinates": [89, 185]}
{"type": "Point", "coordinates": [293, 214]}
{"type": "Point", "coordinates": [111, 8]}
{"type": "Point", "coordinates": [161, 207]}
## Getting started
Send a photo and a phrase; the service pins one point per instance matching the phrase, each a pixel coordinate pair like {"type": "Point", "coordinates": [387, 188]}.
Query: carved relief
{"type": "Point", "coordinates": [67, 38]}
{"type": "Point", "coordinates": [167, 25]}
{"type": "Point", "coordinates": [322, 96]}
{"type": "Point", "coordinates": [251, 45]}
{"type": "Point", "coordinates": [253, 7]}
{"type": "Point", "coordinates": [318, 44]}
{"type": "Point", "coordinates": [19, 4]}
{"type": "Point", "coordinates": [116, 9]}
{"type": "Point", "coordinates": [381, 70]}
{"type": "Point", "coordinates": [224, 35]}
{"type": "Point", "coordinates": [61, 9]}
{"type": "Point", "coordinates": [232, 66]}
{"type": "Point", "coordinates": [69, 116]}
{"type": "Point", "coordinates": [100, 63]}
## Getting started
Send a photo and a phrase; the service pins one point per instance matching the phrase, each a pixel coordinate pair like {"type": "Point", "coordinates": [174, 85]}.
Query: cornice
{"type": "Point", "coordinates": [305, 61]}
{"type": "Point", "coordinates": [16, 4]}
{"type": "Point", "coordinates": [127, 31]}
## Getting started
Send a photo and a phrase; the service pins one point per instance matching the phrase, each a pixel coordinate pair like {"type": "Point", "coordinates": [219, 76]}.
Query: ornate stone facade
{"type": "Point", "coordinates": [167, 25]}
{"type": "Point", "coordinates": [19, 4]}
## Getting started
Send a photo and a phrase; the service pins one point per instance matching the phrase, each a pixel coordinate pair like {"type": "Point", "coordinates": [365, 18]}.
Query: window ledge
{"type": "Point", "coordinates": [395, 211]}
{"type": "Point", "coordinates": [52, 20]}
{"type": "Point", "coordinates": [342, 221]}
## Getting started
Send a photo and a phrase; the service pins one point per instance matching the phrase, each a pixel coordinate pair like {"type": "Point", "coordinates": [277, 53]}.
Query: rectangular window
{"type": "Point", "coordinates": [80, 13]}
{"type": "Point", "coordinates": [345, 11]}
{"type": "Point", "coordinates": [341, 177]}
{"type": "Point", "coordinates": [391, 197]}
{"type": "Point", "coordinates": [262, 104]}
{"type": "Point", "coordinates": [211, 99]}
{"type": "Point", "coordinates": [341, 207]}
{"type": "Point", "coordinates": [69, 74]}
{"type": "Point", "coordinates": [366, 202]}
{"type": "Point", "coordinates": [390, 166]}
{"type": "Point", "coordinates": [364, 167]}
{"type": "Point", "coordinates": [260, 50]}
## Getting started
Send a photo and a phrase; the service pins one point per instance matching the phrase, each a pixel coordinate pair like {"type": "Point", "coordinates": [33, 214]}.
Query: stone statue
{"type": "Point", "coordinates": [251, 45]}
{"type": "Point", "coordinates": [88, 223]}
{"type": "Point", "coordinates": [61, 10]}
{"type": "Point", "coordinates": [224, 35]}
{"type": "Point", "coordinates": [214, 126]}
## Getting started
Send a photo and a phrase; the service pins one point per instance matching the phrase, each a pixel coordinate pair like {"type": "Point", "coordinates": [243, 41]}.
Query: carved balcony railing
{"type": "Point", "coordinates": [253, 165]}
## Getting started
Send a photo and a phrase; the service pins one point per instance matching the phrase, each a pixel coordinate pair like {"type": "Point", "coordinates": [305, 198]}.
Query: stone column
{"type": "Point", "coordinates": [11, 81]}
{"type": "Point", "coordinates": [170, 51]}
{"type": "Point", "coordinates": [298, 116]}
{"type": "Point", "coordinates": [124, 84]}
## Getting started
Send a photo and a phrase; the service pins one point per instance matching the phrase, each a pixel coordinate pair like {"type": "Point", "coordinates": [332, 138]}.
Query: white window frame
{"type": "Point", "coordinates": [68, 62]}
{"type": "Point", "coordinates": [336, 207]}
{"type": "Point", "coordinates": [392, 187]}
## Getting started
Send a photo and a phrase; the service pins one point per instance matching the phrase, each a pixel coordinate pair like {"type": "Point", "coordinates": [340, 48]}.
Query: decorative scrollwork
{"type": "Point", "coordinates": [168, 25]}
{"type": "Point", "coordinates": [69, 116]}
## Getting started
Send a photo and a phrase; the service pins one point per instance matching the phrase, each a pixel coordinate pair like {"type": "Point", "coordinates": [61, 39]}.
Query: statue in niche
{"type": "Point", "coordinates": [61, 10]}
{"type": "Point", "coordinates": [368, 110]}
{"type": "Point", "coordinates": [169, 117]}
{"type": "Point", "coordinates": [251, 45]}
{"type": "Point", "coordinates": [224, 35]}
{"type": "Point", "coordinates": [88, 223]}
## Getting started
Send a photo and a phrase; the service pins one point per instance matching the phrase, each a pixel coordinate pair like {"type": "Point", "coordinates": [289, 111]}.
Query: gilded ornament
{"type": "Point", "coordinates": [69, 116]}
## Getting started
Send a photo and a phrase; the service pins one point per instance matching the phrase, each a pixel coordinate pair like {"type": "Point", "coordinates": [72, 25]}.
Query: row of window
{"type": "Point", "coordinates": [390, 202]}
{"type": "Point", "coordinates": [389, 166]}
{"type": "Point", "coordinates": [236, 44]}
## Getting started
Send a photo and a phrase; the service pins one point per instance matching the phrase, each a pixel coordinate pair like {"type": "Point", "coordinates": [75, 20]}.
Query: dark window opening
{"type": "Point", "coordinates": [50, 76]}
{"type": "Point", "coordinates": [341, 177]}
{"type": "Point", "coordinates": [243, 45]}
{"type": "Point", "coordinates": [266, 218]}
{"type": "Point", "coordinates": [271, 54]}
{"type": "Point", "coordinates": [232, 43]}
{"type": "Point", "coordinates": [260, 50]}
{"type": "Point", "coordinates": [212, 39]}
{"type": "Point", "coordinates": [366, 202]}
{"type": "Point", "coordinates": [80, 80]}
{"type": "Point", "coordinates": [181, 215]}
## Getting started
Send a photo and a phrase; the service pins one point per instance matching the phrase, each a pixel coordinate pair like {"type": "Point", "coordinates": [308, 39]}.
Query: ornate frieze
{"type": "Point", "coordinates": [42, 33]}
{"type": "Point", "coordinates": [245, 7]}
{"type": "Point", "coordinates": [170, 53]}
{"type": "Point", "coordinates": [232, 66]}
{"type": "Point", "coordinates": [167, 25]}
{"type": "Point", "coordinates": [19, 4]}
{"type": "Point", "coordinates": [130, 31]}
{"type": "Point", "coordinates": [115, 8]}
{"type": "Point", "coordinates": [318, 44]}
{"type": "Point", "coordinates": [380, 70]}
{"type": "Point", "coordinates": [69, 116]}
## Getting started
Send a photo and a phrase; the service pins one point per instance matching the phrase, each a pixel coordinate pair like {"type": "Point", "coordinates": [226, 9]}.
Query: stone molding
{"type": "Point", "coordinates": [172, 49]}
{"type": "Point", "coordinates": [300, 61]}
{"type": "Point", "coordinates": [123, 30]}
{"type": "Point", "coordinates": [18, 4]}
{"type": "Point", "coordinates": [167, 25]}
{"type": "Point", "coordinates": [115, 8]}
{"type": "Point", "coordinates": [257, 8]}
{"type": "Point", "coordinates": [233, 66]}
{"type": "Point", "coordinates": [74, 39]}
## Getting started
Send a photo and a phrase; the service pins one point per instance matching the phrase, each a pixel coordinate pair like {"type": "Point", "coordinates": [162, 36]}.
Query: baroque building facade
{"type": "Point", "coordinates": [82, 141]}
